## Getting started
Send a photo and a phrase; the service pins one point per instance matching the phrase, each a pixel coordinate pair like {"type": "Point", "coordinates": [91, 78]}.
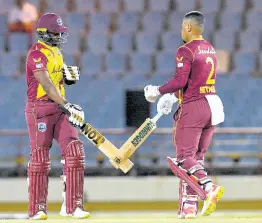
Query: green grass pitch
{"type": "Point", "coordinates": [156, 218]}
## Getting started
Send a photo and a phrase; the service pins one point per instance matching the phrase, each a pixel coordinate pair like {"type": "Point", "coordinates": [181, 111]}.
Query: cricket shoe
{"type": "Point", "coordinates": [39, 216]}
{"type": "Point", "coordinates": [214, 194]}
{"type": "Point", "coordinates": [80, 214]}
{"type": "Point", "coordinates": [189, 211]}
{"type": "Point", "coordinates": [62, 212]}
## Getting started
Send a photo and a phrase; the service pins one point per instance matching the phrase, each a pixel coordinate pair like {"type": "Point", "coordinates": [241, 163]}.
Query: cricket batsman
{"type": "Point", "coordinates": [200, 110]}
{"type": "Point", "coordinates": [46, 75]}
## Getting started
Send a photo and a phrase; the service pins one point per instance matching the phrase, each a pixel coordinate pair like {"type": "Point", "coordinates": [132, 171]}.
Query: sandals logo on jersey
{"type": "Point", "coordinates": [180, 59]}
{"type": "Point", "coordinates": [37, 60]}
{"type": "Point", "coordinates": [41, 126]}
{"type": "Point", "coordinates": [38, 64]}
{"type": "Point", "coordinates": [91, 133]}
{"type": "Point", "coordinates": [179, 64]}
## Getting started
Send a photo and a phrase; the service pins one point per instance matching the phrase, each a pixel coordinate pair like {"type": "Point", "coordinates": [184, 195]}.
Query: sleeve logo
{"type": "Point", "coordinates": [37, 60]}
{"type": "Point", "coordinates": [179, 59]}
{"type": "Point", "coordinates": [180, 65]}
{"type": "Point", "coordinates": [39, 65]}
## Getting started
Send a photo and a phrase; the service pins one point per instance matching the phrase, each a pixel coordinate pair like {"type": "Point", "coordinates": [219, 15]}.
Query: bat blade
{"type": "Point", "coordinates": [135, 141]}
{"type": "Point", "coordinates": [105, 146]}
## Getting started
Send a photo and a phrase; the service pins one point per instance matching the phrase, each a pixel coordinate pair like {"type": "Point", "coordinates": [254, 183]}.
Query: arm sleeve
{"type": "Point", "coordinates": [184, 58]}
{"type": "Point", "coordinates": [37, 61]}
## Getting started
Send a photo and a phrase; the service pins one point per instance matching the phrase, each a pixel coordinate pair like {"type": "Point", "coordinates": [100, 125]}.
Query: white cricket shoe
{"type": "Point", "coordinates": [62, 212]}
{"type": "Point", "coordinates": [214, 194]}
{"type": "Point", "coordinates": [80, 214]}
{"type": "Point", "coordinates": [39, 216]}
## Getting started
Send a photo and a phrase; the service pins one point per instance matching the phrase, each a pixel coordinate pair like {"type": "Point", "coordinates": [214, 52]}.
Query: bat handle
{"type": "Point", "coordinates": [158, 116]}
{"type": "Point", "coordinates": [64, 110]}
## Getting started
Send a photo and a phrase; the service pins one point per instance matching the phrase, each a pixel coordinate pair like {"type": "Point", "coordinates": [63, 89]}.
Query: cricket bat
{"type": "Point", "coordinates": [136, 140]}
{"type": "Point", "coordinates": [103, 144]}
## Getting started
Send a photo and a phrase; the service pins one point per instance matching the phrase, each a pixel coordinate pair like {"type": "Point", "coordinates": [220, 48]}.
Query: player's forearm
{"type": "Point", "coordinates": [178, 81]}
{"type": "Point", "coordinates": [43, 78]}
{"type": "Point", "coordinates": [173, 85]}
{"type": "Point", "coordinates": [55, 96]}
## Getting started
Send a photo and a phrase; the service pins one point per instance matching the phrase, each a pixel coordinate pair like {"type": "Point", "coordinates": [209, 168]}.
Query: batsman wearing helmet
{"type": "Point", "coordinates": [46, 75]}
{"type": "Point", "coordinates": [200, 110]}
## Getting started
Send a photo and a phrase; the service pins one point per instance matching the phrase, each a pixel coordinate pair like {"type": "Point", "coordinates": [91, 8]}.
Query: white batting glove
{"type": "Point", "coordinates": [165, 103]}
{"type": "Point", "coordinates": [151, 93]}
{"type": "Point", "coordinates": [77, 115]}
{"type": "Point", "coordinates": [71, 74]}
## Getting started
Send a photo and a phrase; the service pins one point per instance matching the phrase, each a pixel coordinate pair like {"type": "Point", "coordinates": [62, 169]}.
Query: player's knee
{"type": "Point", "coordinates": [40, 160]}
{"type": "Point", "coordinates": [66, 142]}
{"type": "Point", "coordinates": [74, 154]}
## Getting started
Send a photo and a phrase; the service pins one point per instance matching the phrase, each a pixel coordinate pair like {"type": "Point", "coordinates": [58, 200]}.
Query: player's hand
{"type": "Point", "coordinates": [151, 93]}
{"type": "Point", "coordinates": [165, 103]}
{"type": "Point", "coordinates": [71, 74]}
{"type": "Point", "coordinates": [75, 113]}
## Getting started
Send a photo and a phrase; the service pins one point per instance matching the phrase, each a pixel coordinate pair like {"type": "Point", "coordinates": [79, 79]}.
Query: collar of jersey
{"type": "Point", "coordinates": [198, 38]}
{"type": "Point", "coordinates": [46, 45]}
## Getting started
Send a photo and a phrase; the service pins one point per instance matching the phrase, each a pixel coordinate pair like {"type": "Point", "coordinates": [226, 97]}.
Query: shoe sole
{"type": "Point", "coordinates": [211, 207]}
{"type": "Point", "coordinates": [187, 217]}
{"type": "Point", "coordinates": [83, 217]}
{"type": "Point", "coordinates": [43, 217]}
{"type": "Point", "coordinates": [190, 217]}
{"type": "Point", "coordinates": [63, 216]}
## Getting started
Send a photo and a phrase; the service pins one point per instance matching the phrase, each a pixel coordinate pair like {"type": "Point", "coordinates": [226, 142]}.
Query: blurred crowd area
{"type": "Point", "coordinates": [139, 36]}
{"type": "Point", "coordinates": [127, 44]}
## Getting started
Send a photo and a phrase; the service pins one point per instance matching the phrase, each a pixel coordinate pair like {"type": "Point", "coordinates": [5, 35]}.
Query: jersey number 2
{"type": "Point", "coordinates": [212, 71]}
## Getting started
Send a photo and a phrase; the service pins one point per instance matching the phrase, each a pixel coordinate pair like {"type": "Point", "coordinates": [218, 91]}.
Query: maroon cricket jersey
{"type": "Point", "coordinates": [195, 74]}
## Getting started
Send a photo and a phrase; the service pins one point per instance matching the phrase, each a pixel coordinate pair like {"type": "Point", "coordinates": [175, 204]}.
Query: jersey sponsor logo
{"type": "Point", "coordinates": [37, 60]}
{"type": "Point", "coordinates": [41, 126]}
{"type": "Point", "coordinates": [180, 65]}
{"type": "Point", "coordinates": [143, 133]}
{"type": "Point", "coordinates": [206, 51]}
{"type": "Point", "coordinates": [179, 59]}
{"type": "Point", "coordinates": [39, 65]}
{"type": "Point", "coordinates": [91, 133]}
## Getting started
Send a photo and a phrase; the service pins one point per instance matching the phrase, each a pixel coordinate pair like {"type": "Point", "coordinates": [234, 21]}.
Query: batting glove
{"type": "Point", "coordinates": [71, 74]}
{"type": "Point", "coordinates": [75, 113]}
{"type": "Point", "coordinates": [151, 93]}
{"type": "Point", "coordinates": [165, 103]}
